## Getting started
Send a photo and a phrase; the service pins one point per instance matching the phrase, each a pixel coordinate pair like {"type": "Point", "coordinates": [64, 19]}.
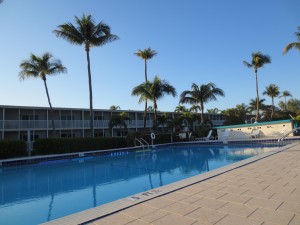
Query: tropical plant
{"type": "Point", "coordinates": [145, 55]}
{"type": "Point", "coordinates": [258, 61]}
{"type": "Point", "coordinates": [284, 95]}
{"type": "Point", "coordinates": [236, 115]}
{"type": "Point", "coordinates": [200, 95]}
{"type": "Point", "coordinates": [293, 105]}
{"type": "Point", "coordinates": [180, 108]}
{"type": "Point", "coordinates": [89, 34]}
{"type": "Point", "coordinates": [115, 107]}
{"type": "Point", "coordinates": [295, 45]}
{"type": "Point", "coordinates": [272, 91]}
{"type": "Point", "coordinates": [41, 67]}
{"type": "Point", "coordinates": [213, 111]}
{"type": "Point", "coordinates": [195, 108]}
{"type": "Point", "coordinates": [153, 91]}
{"type": "Point", "coordinates": [119, 120]}
{"type": "Point", "coordinates": [253, 105]}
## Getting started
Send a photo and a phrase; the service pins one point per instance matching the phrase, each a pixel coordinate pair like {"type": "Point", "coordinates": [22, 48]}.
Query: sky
{"type": "Point", "coordinates": [197, 41]}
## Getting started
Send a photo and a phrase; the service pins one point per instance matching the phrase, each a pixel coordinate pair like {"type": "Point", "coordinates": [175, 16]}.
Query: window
{"type": "Point", "coordinates": [98, 117]}
{"type": "Point", "coordinates": [30, 117]}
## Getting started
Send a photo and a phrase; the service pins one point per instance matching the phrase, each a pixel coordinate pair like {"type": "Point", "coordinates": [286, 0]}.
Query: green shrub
{"type": "Point", "coordinates": [12, 149]}
{"type": "Point", "coordinates": [70, 145]}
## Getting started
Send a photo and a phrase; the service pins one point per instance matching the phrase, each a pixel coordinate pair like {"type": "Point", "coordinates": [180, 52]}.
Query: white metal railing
{"type": "Point", "coordinates": [287, 134]}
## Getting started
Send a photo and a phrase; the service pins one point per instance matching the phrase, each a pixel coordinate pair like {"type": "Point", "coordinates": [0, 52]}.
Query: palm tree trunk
{"type": "Point", "coordinates": [202, 112]}
{"type": "Point", "coordinates": [155, 106]}
{"type": "Point", "coordinates": [145, 114]}
{"type": "Point", "coordinates": [257, 96]}
{"type": "Point", "coordinates": [51, 110]}
{"type": "Point", "coordinates": [146, 105]}
{"type": "Point", "coordinates": [91, 93]}
{"type": "Point", "coordinates": [272, 111]}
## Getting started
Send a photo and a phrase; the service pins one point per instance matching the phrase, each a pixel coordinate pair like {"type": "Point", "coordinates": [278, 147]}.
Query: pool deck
{"type": "Point", "coordinates": [262, 190]}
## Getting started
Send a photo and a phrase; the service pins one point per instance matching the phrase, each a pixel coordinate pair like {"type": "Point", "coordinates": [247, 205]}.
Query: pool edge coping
{"type": "Point", "coordinates": [96, 213]}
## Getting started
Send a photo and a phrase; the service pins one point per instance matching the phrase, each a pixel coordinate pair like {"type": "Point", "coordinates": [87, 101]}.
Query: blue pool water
{"type": "Point", "coordinates": [33, 194]}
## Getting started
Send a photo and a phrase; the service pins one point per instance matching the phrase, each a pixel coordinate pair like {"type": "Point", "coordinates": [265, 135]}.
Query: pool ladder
{"type": "Point", "coordinates": [287, 134]}
{"type": "Point", "coordinates": [141, 142]}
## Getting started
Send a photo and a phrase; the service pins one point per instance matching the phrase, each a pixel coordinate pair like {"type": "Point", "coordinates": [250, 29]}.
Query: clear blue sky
{"type": "Point", "coordinates": [197, 41]}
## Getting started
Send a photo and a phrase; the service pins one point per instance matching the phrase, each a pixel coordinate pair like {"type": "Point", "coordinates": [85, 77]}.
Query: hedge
{"type": "Point", "coordinates": [12, 149]}
{"type": "Point", "coordinates": [70, 145]}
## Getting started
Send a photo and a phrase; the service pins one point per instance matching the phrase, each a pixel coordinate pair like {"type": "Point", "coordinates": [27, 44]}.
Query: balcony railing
{"type": "Point", "coordinates": [74, 124]}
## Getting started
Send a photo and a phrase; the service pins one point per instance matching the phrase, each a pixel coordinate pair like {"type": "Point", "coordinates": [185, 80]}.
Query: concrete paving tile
{"type": "Point", "coordinates": [210, 203]}
{"type": "Point", "coordinates": [236, 220]}
{"type": "Point", "coordinates": [191, 199]}
{"type": "Point", "coordinates": [212, 194]}
{"type": "Point", "coordinates": [234, 190]}
{"type": "Point", "coordinates": [138, 210]}
{"type": "Point", "coordinates": [290, 207]}
{"type": "Point", "coordinates": [116, 219]}
{"type": "Point", "coordinates": [276, 217]}
{"type": "Point", "coordinates": [295, 220]}
{"type": "Point", "coordinates": [258, 194]}
{"type": "Point", "coordinates": [238, 209]}
{"type": "Point", "coordinates": [206, 215]}
{"type": "Point", "coordinates": [175, 196]}
{"type": "Point", "coordinates": [159, 202]}
{"type": "Point", "coordinates": [235, 198]}
{"type": "Point", "coordinates": [174, 220]}
{"type": "Point", "coordinates": [154, 216]}
{"type": "Point", "coordinates": [284, 197]}
{"type": "Point", "coordinates": [181, 208]}
{"type": "Point", "coordinates": [254, 186]}
{"type": "Point", "coordinates": [190, 190]}
{"type": "Point", "coordinates": [138, 222]}
{"type": "Point", "coordinates": [264, 203]}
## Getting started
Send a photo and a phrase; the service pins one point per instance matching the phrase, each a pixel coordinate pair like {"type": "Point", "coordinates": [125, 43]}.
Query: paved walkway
{"type": "Point", "coordinates": [261, 193]}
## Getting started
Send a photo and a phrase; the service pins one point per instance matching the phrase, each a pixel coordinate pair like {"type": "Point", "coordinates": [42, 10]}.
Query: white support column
{"type": "Point", "coordinates": [136, 122]}
{"type": "Point", "coordinates": [103, 131]}
{"type": "Point", "coordinates": [3, 120]}
{"type": "Point", "coordinates": [19, 132]}
{"type": "Point", "coordinates": [47, 123]}
{"type": "Point", "coordinates": [82, 119]}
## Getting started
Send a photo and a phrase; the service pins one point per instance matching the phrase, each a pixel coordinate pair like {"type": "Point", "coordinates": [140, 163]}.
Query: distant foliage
{"type": "Point", "coordinates": [12, 149]}
{"type": "Point", "coordinates": [70, 145]}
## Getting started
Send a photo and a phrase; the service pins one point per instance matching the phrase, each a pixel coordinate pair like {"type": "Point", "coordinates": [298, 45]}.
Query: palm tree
{"type": "Point", "coordinates": [154, 91]}
{"type": "Point", "coordinates": [146, 54]}
{"type": "Point", "coordinates": [201, 95]}
{"type": "Point", "coordinates": [295, 45]}
{"type": "Point", "coordinates": [213, 111]}
{"type": "Point", "coordinates": [285, 94]}
{"type": "Point", "coordinates": [120, 121]}
{"type": "Point", "coordinates": [258, 61]}
{"type": "Point", "coordinates": [180, 108]}
{"type": "Point", "coordinates": [86, 32]}
{"type": "Point", "coordinates": [40, 67]}
{"type": "Point", "coordinates": [253, 104]}
{"type": "Point", "coordinates": [195, 108]}
{"type": "Point", "coordinates": [115, 107]}
{"type": "Point", "coordinates": [272, 91]}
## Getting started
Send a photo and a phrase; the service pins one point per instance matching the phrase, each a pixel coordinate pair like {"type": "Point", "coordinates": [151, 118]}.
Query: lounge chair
{"type": "Point", "coordinates": [255, 133]}
{"type": "Point", "coordinates": [209, 137]}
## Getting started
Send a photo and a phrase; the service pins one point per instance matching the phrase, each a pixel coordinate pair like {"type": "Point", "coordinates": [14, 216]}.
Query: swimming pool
{"type": "Point", "coordinates": [32, 194]}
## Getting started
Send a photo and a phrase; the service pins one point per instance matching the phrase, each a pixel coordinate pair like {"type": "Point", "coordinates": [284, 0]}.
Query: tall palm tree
{"type": "Point", "coordinates": [89, 34]}
{"type": "Point", "coordinates": [154, 91]}
{"type": "Point", "coordinates": [200, 95]}
{"type": "Point", "coordinates": [295, 45]}
{"type": "Point", "coordinates": [40, 67]}
{"type": "Point", "coordinates": [145, 55]}
{"type": "Point", "coordinates": [272, 91]}
{"type": "Point", "coordinates": [258, 61]}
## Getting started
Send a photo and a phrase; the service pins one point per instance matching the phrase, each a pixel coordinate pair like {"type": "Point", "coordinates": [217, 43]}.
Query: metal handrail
{"type": "Point", "coordinates": [141, 143]}
{"type": "Point", "coordinates": [287, 134]}
{"type": "Point", "coordinates": [143, 140]}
